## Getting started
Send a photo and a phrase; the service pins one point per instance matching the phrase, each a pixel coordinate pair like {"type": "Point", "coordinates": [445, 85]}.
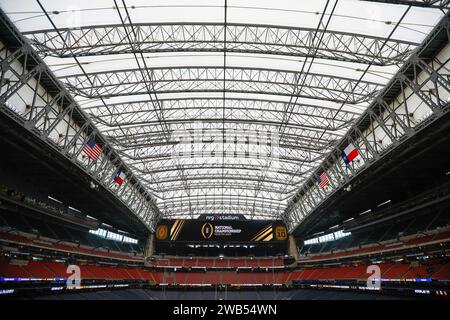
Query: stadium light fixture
{"type": "Point", "coordinates": [54, 199]}
{"type": "Point", "coordinates": [367, 211]}
{"type": "Point", "coordinates": [74, 209]}
{"type": "Point", "coordinates": [383, 203]}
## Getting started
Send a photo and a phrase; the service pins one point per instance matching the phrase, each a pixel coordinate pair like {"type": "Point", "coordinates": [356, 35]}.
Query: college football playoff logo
{"type": "Point", "coordinates": [280, 233]}
{"type": "Point", "coordinates": [161, 232]}
{"type": "Point", "coordinates": [207, 230]}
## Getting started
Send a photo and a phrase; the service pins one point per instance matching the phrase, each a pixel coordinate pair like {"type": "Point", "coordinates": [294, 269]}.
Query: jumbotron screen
{"type": "Point", "coordinates": [221, 228]}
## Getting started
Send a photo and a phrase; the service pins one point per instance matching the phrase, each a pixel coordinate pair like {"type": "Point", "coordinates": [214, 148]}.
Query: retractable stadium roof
{"type": "Point", "coordinates": [224, 107]}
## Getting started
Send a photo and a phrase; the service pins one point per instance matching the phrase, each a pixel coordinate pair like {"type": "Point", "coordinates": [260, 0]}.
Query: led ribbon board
{"type": "Point", "coordinates": [221, 230]}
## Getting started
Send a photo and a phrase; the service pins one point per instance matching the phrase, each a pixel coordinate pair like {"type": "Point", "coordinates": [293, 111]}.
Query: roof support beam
{"type": "Point", "coordinates": [441, 4]}
{"type": "Point", "coordinates": [31, 96]}
{"type": "Point", "coordinates": [422, 84]}
{"type": "Point", "coordinates": [254, 110]}
{"type": "Point", "coordinates": [119, 83]}
{"type": "Point", "coordinates": [199, 37]}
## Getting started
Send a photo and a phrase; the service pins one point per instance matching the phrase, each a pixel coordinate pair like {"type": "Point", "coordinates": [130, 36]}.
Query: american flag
{"type": "Point", "coordinates": [92, 149]}
{"type": "Point", "coordinates": [323, 180]}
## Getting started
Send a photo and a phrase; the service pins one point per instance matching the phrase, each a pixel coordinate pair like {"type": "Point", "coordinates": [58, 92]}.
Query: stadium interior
{"type": "Point", "coordinates": [225, 150]}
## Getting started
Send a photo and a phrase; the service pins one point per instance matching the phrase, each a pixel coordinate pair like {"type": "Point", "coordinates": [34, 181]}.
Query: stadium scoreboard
{"type": "Point", "coordinates": [221, 228]}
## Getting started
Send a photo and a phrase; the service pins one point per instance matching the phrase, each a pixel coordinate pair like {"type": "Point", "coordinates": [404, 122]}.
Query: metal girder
{"type": "Point", "coordinates": [241, 148]}
{"type": "Point", "coordinates": [145, 132]}
{"type": "Point", "coordinates": [440, 4]}
{"type": "Point", "coordinates": [32, 96]}
{"type": "Point", "coordinates": [211, 79]}
{"type": "Point", "coordinates": [181, 214]}
{"type": "Point", "coordinates": [247, 167]}
{"type": "Point", "coordinates": [210, 195]}
{"type": "Point", "coordinates": [198, 208]}
{"type": "Point", "coordinates": [149, 135]}
{"type": "Point", "coordinates": [422, 96]}
{"type": "Point", "coordinates": [135, 142]}
{"type": "Point", "coordinates": [154, 156]}
{"type": "Point", "coordinates": [165, 161]}
{"type": "Point", "coordinates": [203, 188]}
{"type": "Point", "coordinates": [234, 152]}
{"type": "Point", "coordinates": [201, 177]}
{"type": "Point", "coordinates": [158, 136]}
{"type": "Point", "coordinates": [241, 197]}
{"type": "Point", "coordinates": [283, 153]}
{"type": "Point", "coordinates": [235, 197]}
{"type": "Point", "coordinates": [210, 167]}
{"type": "Point", "coordinates": [200, 37]}
{"type": "Point", "coordinates": [174, 205]}
{"type": "Point", "coordinates": [315, 116]}
{"type": "Point", "coordinates": [237, 119]}
{"type": "Point", "coordinates": [153, 142]}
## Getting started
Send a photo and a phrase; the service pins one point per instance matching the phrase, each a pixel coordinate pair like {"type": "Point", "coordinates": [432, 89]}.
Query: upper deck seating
{"type": "Point", "coordinates": [33, 241]}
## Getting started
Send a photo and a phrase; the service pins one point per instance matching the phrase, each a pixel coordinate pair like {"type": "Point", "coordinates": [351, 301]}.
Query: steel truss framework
{"type": "Point", "coordinates": [239, 123]}
{"type": "Point", "coordinates": [441, 4]}
{"type": "Point", "coordinates": [141, 140]}
{"type": "Point", "coordinates": [237, 138]}
{"type": "Point", "coordinates": [211, 79]}
{"type": "Point", "coordinates": [261, 39]}
{"type": "Point", "coordinates": [424, 86]}
{"type": "Point", "coordinates": [33, 97]}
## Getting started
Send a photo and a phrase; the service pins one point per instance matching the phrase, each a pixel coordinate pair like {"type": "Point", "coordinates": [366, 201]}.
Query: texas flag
{"type": "Point", "coordinates": [349, 154]}
{"type": "Point", "coordinates": [119, 177]}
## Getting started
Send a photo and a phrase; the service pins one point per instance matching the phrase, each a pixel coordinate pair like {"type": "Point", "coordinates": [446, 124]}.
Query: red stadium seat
{"type": "Point", "coordinates": [230, 278]}
{"type": "Point", "coordinates": [418, 272]}
{"type": "Point", "coordinates": [39, 270]}
{"type": "Point", "coordinates": [395, 271]}
{"type": "Point", "coordinates": [246, 278]}
{"type": "Point", "coordinates": [134, 273]}
{"type": "Point", "coordinates": [195, 278]}
{"type": "Point", "coordinates": [190, 262]}
{"type": "Point", "coordinates": [442, 272]}
{"type": "Point", "coordinates": [74, 248]}
{"type": "Point", "coordinates": [59, 269]}
{"type": "Point", "coordinates": [206, 263]}
{"type": "Point", "coordinates": [8, 270]}
{"type": "Point", "coordinates": [260, 278]}
{"type": "Point", "coordinates": [222, 263]}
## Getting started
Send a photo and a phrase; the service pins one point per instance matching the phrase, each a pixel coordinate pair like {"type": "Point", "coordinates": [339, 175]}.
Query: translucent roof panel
{"type": "Point", "coordinates": [223, 106]}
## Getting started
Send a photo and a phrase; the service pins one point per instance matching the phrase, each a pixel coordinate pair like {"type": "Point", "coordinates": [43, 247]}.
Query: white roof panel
{"type": "Point", "coordinates": [215, 121]}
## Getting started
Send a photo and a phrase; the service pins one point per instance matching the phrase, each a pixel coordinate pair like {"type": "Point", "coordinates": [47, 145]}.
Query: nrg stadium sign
{"type": "Point", "coordinates": [222, 217]}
